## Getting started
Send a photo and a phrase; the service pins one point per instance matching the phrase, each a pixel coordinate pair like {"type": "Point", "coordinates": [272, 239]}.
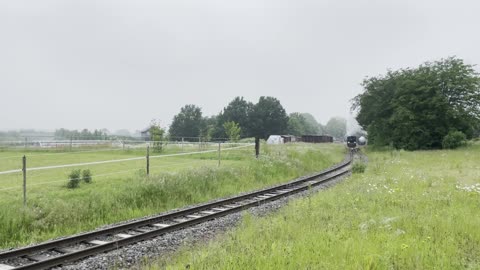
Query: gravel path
{"type": "Point", "coordinates": [130, 257]}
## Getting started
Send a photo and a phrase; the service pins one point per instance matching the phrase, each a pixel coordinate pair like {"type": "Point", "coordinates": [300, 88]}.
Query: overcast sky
{"type": "Point", "coordinates": [118, 64]}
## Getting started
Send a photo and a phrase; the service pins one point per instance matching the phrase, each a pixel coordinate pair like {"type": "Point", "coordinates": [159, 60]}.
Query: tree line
{"type": "Point", "coordinates": [243, 119]}
{"type": "Point", "coordinates": [435, 105]}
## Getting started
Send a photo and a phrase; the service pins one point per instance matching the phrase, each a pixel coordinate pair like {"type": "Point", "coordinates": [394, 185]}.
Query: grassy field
{"type": "Point", "coordinates": [12, 159]}
{"type": "Point", "coordinates": [409, 210]}
{"type": "Point", "coordinates": [53, 210]}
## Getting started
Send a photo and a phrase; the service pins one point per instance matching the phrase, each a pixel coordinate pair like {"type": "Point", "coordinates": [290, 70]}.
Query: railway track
{"type": "Point", "coordinates": [62, 251]}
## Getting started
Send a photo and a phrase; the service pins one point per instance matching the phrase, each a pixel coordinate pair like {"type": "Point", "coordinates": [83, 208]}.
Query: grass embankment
{"type": "Point", "coordinates": [409, 210]}
{"type": "Point", "coordinates": [55, 210]}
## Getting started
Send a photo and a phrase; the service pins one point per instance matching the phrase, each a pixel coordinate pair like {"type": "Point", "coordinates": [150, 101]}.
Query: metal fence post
{"type": "Point", "coordinates": [71, 141]}
{"type": "Point", "coordinates": [148, 160]}
{"type": "Point", "coordinates": [24, 170]}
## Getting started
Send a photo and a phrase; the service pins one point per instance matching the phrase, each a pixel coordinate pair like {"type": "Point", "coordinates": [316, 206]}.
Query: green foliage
{"type": "Point", "coordinates": [416, 108]}
{"type": "Point", "coordinates": [187, 123]}
{"type": "Point", "coordinates": [303, 124]}
{"type": "Point", "coordinates": [237, 111]}
{"type": "Point", "coordinates": [74, 179]}
{"type": "Point", "coordinates": [232, 130]}
{"type": "Point", "coordinates": [312, 127]}
{"type": "Point", "coordinates": [454, 139]}
{"type": "Point", "coordinates": [358, 167]}
{"type": "Point", "coordinates": [87, 176]}
{"type": "Point", "coordinates": [268, 117]}
{"type": "Point", "coordinates": [296, 124]}
{"type": "Point", "coordinates": [157, 136]}
{"type": "Point", "coordinates": [207, 128]}
{"type": "Point", "coordinates": [336, 127]}
{"type": "Point", "coordinates": [85, 134]}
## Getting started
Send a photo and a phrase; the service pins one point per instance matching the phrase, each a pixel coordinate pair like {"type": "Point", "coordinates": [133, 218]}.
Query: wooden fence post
{"type": "Point", "coordinates": [24, 170]}
{"type": "Point", "coordinates": [148, 160]}
{"type": "Point", "coordinates": [219, 152]}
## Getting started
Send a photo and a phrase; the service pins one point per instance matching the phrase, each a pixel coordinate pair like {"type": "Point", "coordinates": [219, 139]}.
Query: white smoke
{"type": "Point", "coordinates": [353, 128]}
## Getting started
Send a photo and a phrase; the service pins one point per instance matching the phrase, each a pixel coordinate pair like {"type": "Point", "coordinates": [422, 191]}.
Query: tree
{"type": "Point", "coordinates": [208, 126]}
{"type": "Point", "coordinates": [156, 135]}
{"type": "Point", "coordinates": [336, 127]}
{"type": "Point", "coordinates": [232, 130]}
{"type": "Point", "coordinates": [303, 124]}
{"type": "Point", "coordinates": [267, 117]}
{"type": "Point", "coordinates": [236, 111]}
{"type": "Point", "coordinates": [187, 124]}
{"type": "Point", "coordinates": [416, 108]}
{"type": "Point", "coordinates": [296, 124]}
{"type": "Point", "coordinates": [312, 126]}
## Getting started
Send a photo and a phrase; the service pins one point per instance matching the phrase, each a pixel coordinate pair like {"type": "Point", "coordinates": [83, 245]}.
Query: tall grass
{"type": "Point", "coordinates": [409, 210]}
{"type": "Point", "coordinates": [66, 211]}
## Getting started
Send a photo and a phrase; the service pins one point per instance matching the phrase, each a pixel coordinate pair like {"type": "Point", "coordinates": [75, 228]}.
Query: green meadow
{"type": "Point", "coordinates": [408, 210]}
{"type": "Point", "coordinates": [122, 191]}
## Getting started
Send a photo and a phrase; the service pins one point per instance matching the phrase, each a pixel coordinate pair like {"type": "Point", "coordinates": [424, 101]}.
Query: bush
{"type": "Point", "coordinates": [454, 139]}
{"type": "Point", "coordinates": [87, 176]}
{"type": "Point", "coordinates": [358, 167]}
{"type": "Point", "coordinates": [74, 179]}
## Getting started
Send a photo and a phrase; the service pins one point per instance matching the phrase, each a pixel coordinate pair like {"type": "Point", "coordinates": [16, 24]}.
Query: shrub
{"type": "Point", "coordinates": [454, 139]}
{"type": "Point", "coordinates": [358, 167]}
{"type": "Point", "coordinates": [74, 179]}
{"type": "Point", "coordinates": [87, 176]}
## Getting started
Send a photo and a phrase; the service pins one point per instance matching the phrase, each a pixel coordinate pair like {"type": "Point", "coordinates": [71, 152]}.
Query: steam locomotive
{"type": "Point", "coordinates": [353, 142]}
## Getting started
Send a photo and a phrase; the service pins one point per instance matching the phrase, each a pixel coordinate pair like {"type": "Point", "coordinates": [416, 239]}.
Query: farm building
{"type": "Point", "coordinates": [317, 138]}
{"type": "Point", "coordinates": [145, 133]}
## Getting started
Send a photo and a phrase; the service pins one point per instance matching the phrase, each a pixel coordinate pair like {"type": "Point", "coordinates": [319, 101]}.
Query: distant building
{"type": "Point", "coordinates": [275, 139]}
{"type": "Point", "coordinates": [145, 134]}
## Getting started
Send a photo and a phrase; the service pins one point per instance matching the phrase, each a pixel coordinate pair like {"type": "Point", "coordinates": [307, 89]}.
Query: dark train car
{"type": "Point", "coordinates": [317, 139]}
{"type": "Point", "coordinates": [352, 141]}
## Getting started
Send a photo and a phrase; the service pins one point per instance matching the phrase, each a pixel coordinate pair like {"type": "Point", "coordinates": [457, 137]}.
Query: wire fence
{"type": "Point", "coordinates": [41, 180]}
{"type": "Point", "coordinates": [120, 160]}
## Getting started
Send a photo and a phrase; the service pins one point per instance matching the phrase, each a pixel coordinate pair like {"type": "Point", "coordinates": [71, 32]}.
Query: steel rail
{"type": "Point", "coordinates": [244, 201]}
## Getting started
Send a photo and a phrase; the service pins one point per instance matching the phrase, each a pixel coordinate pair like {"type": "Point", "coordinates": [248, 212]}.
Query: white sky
{"type": "Point", "coordinates": [118, 64]}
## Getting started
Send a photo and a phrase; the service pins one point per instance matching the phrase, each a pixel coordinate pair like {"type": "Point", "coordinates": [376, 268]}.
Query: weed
{"type": "Point", "coordinates": [87, 176]}
{"type": "Point", "coordinates": [74, 179]}
{"type": "Point", "coordinates": [358, 167]}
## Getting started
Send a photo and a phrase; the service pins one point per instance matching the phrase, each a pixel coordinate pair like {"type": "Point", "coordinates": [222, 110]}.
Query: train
{"type": "Point", "coordinates": [353, 142]}
{"type": "Point", "coordinates": [279, 139]}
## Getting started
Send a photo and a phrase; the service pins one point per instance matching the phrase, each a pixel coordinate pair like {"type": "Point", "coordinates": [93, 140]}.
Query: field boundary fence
{"type": "Point", "coordinates": [24, 161]}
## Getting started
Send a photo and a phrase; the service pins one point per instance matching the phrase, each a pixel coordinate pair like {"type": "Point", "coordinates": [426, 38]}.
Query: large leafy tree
{"type": "Point", "coordinates": [236, 111]}
{"type": "Point", "coordinates": [312, 127]}
{"type": "Point", "coordinates": [267, 117]}
{"type": "Point", "coordinates": [296, 124]}
{"type": "Point", "coordinates": [188, 123]}
{"type": "Point", "coordinates": [416, 108]}
{"type": "Point", "coordinates": [336, 127]}
{"type": "Point", "coordinates": [302, 124]}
